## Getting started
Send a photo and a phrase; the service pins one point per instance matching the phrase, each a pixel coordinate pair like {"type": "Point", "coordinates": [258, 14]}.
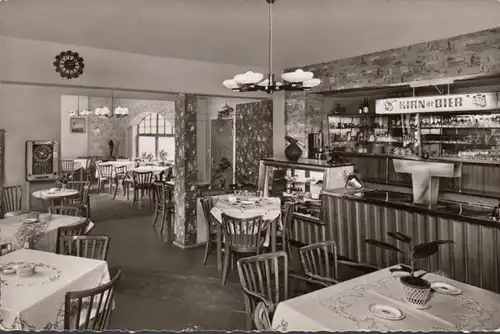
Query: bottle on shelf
{"type": "Point", "coordinates": [366, 106]}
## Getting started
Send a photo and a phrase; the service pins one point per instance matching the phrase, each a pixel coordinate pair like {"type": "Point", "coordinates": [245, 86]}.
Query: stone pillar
{"type": "Point", "coordinates": [185, 226]}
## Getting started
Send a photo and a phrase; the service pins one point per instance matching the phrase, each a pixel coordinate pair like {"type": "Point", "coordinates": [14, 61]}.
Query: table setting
{"type": "Point", "coordinates": [35, 230]}
{"type": "Point", "coordinates": [34, 285]}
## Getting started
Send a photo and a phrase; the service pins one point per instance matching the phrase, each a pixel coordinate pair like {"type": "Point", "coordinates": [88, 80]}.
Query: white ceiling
{"type": "Point", "coordinates": [235, 31]}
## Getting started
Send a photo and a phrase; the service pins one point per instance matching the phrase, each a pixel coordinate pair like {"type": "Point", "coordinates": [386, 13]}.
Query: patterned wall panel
{"type": "Point", "coordinates": [254, 138]}
{"type": "Point", "coordinates": [185, 170]}
{"type": "Point", "coordinates": [471, 54]}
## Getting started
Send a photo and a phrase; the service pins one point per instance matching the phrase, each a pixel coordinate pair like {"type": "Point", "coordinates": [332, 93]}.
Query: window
{"type": "Point", "coordinates": [155, 133]}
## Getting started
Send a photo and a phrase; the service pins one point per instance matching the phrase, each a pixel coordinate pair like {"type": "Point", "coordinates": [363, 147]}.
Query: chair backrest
{"type": "Point", "coordinates": [90, 247]}
{"type": "Point", "coordinates": [319, 261]}
{"type": "Point", "coordinates": [121, 170]}
{"type": "Point", "coordinates": [65, 210]}
{"type": "Point", "coordinates": [13, 198]}
{"type": "Point", "coordinates": [207, 203]}
{"type": "Point", "coordinates": [244, 235]}
{"type": "Point", "coordinates": [261, 317]}
{"type": "Point", "coordinates": [90, 309]}
{"type": "Point", "coordinates": [142, 180]}
{"type": "Point", "coordinates": [67, 166]}
{"type": "Point", "coordinates": [83, 188]}
{"type": "Point", "coordinates": [264, 278]}
{"type": "Point", "coordinates": [5, 248]}
{"type": "Point", "coordinates": [288, 218]}
{"type": "Point", "coordinates": [71, 230]}
{"type": "Point", "coordinates": [105, 171]}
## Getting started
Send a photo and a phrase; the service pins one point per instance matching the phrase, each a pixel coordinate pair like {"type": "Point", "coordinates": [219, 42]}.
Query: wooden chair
{"type": "Point", "coordinates": [143, 181]}
{"type": "Point", "coordinates": [68, 167]}
{"type": "Point", "coordinates": [122, 175]}
{"type": "Point", "coordinates": [90, 247]}
{"type": "Point", "coordinates": [66, 210]}
{"type": "Point", "coordinates": [5, 248]}
{"type": "Point", "coordinates": [207, 203]}
{"type": "Point", "coordinates": [164, 204]}
{"type": "Point", "coordinates": [283, 236]}
{"type": "Point", "coordinates": [262, 317]}
{"type": "Point", "coordinates": [72, 230]}
{"type": "Point", "coordinates": [263, 278]}
{"type": "Point", "coordinates": [105, 174]}
{"type": "Point", "coordinates": [319, 262]}
{"type": "Point", "coordinates": [90, 309]}
{"type": "Point", "coordinates": [242, 236]}
{"type": "Point", "coordinates": [82, 201]}
{"type": "Point", "coordinates": [13, 200]}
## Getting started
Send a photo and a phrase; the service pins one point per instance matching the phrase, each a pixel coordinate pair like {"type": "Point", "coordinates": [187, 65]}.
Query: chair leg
{"type": "Point", "coordinates": [156, 215]}
{"type": "Point", "coordinates": [225, 269]}
{"type": "Point", "coordinates": [134, 200]}
{"type": "Point", "coordinates": [98, 185]}
{"type": "Point", "coordinates": [110, 186]}
{"type": "Point", "coordinates": [163, 218]}
{"type": "Point", "coordinates": [207, 247]}
{"type": "Point", "coordinates": [116, 189]}
{"type": "Point", "coordinates": [248, 311]}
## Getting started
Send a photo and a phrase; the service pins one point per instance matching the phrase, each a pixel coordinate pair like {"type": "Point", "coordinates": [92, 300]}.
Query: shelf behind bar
{"type": "Point", "coordinates": [416, 158]}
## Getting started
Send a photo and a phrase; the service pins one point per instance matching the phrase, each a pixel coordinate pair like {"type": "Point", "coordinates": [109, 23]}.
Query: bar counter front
{"type": "Point", "coordinates": [350, 217]}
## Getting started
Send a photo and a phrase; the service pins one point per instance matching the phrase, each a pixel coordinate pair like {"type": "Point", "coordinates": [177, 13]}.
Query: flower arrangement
{"type": "Point", "coordinates": [147, 156]}
{"type": "Point", "coordinates": [163, 155]}
{"type": "Point", "coordinates": [64, 178]}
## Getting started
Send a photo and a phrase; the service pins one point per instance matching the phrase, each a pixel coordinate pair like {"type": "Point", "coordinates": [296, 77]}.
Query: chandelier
{"type": "Point", "coordinates": [118, 112]}
{"type": "Point", "coordinates": [78, 112]}
{"type": "Point", "coordinates": [298, 80]}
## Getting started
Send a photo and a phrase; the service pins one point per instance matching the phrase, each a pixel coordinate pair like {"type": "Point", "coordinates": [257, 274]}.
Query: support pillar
{"type": "Point", "coordinates": [185, 228]}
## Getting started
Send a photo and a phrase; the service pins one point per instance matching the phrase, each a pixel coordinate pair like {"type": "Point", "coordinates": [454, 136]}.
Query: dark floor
{"type": "Point", "coordinates": [163, 286]}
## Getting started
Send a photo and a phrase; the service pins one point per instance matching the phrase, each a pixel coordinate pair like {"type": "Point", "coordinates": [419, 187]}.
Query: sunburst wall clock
{"type": "Point", "coordinates": [69, 64]}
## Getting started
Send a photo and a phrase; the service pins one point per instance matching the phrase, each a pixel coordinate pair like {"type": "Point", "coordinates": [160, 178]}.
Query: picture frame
{"type": "Point", "coordinates": [77, 125]}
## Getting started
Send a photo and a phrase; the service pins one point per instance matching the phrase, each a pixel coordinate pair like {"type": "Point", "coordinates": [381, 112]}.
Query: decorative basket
{"type": "Point", "coordinates": [416, 295]}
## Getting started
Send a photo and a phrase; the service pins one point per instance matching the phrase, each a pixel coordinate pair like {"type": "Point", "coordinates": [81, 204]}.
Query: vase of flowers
{"type": "Point", "coordinates": [163, 157]}
{"type": "Point", "coordinates": [63, 179]}
{"type": "Point", "coordinates": [416, 289]}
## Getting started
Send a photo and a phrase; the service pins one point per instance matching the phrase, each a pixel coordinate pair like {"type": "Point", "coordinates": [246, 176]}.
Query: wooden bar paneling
{"type": "Point", "coordinates": [473, 259]}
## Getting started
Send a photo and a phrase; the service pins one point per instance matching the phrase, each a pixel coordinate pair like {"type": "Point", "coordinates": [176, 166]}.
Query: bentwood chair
{"type": "Point", "coordinates": [90, 247]}
{"type": "Point", "coordinates": [90, 309]}
{"type": "Point", "coordinates": [68, 167]}
{"type": "Point", "coordinates": [262, 317]}
{"type": "Point", "coordinates": [71, 230]}
{"type": "Point", "coordinates": [242, 236]}
{"type": "Point", "coordinates": [283, 236]}
{"type": "Point", "coordinates": [319, 262]}
{"type": "Point", "coordinates": [66, 210]}
{"type": "Point", "coordinates": [105, 174]}
{"type": "Point", "coordinates": [122, 176]}
{"type": "Point", "coordinates": [207, 203]}
{"type": "Point", "coordinates": [143, 181]}
{"type": "Point", "coordinates": [82, 201]}
{"type": "Point", "coordinates": [13, 200]}
{"type": "Point", "coordinates": [164, 205]}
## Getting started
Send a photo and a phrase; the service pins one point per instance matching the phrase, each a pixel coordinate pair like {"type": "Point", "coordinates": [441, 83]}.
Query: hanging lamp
{"type": "Point", "coordinates": [298, 80]}
{"type": "Point", "coordinates": [106, 112]}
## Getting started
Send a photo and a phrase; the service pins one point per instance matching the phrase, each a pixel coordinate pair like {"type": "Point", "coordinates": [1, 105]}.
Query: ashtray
{"type": "Point", "coordinates": [26, 270]}
{"type": "Point", "coordinates": [387, 312]}
{"type": "Point", "coordinates": [9, 269]}
{"type": "Point", "coordinates": [445, 288]}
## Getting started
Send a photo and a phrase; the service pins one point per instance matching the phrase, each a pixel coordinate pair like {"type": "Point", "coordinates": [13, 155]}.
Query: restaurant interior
{"type": "Point", "coordinates": [179, 165]}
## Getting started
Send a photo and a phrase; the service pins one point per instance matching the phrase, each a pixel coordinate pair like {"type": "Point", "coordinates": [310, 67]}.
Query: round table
{"type": "Point", "coordinates": [53, 197]}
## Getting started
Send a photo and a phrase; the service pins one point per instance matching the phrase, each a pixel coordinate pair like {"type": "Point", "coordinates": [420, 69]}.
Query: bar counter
{"type": "Point", "coordinates": [350, 217]}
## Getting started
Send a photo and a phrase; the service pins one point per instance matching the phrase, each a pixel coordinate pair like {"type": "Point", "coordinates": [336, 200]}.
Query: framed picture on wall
{"type": "Point", "coordinates": [77, 125]}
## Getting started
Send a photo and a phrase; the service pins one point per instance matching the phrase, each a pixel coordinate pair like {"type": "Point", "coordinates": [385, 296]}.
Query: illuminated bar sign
{"type": "Point", "coordinates": [439, 103]}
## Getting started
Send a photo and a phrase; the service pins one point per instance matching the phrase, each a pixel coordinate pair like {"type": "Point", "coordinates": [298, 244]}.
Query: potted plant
{"type": "Point", "coordinates": [416, 288]}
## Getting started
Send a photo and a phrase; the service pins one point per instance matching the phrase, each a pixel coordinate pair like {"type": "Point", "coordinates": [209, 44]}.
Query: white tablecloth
{"type": "Point", "coordinates": [81, 163]}
{"type": "Point", "coordinates": [157, 170]}
{"type": "Point", "coordinates": [37, 302]}
{"type": "Point", "coordinates": [129, 164]}
{"type": "Point", "coordinates": [345, 306]}
{"type": "Point", "coordinates": [12, 230]}
{"type": "Point", "coordinates": [57, 194]}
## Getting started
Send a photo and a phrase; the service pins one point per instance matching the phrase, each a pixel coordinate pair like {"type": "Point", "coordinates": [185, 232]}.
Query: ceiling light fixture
{"type": "Point", "coordinates": [78, 112]}
{"type": "Point", "coordinates": [298, 80]}
{"type": "Point", "coordinates": [118, 112]}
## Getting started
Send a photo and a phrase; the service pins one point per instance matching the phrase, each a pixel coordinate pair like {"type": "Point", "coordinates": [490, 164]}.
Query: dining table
{"type": "Point", "coordinates": [375, 302]}
{"type": "Point", "coordinates": [129, 164]}
{"type": "Point", "coordinates": [42, 234]}
{"type": "Point", "coordinates": [156, 170]}
{"type": "Point", "coordinates": [55, 196]}
{"type": "Point", "coordinates": [37, 302]}
{"type": "Point", "coordinates": [246, 207]}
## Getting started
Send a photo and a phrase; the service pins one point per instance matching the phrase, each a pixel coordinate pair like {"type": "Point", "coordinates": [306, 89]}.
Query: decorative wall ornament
{"type": "Point", "coordinates": [225, 112]}
{"type": "Point", "coordinates": [69, 64]}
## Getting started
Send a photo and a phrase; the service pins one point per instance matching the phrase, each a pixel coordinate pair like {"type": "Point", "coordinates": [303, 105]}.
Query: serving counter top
{"type": "Point", "coordinates": [459, 211]}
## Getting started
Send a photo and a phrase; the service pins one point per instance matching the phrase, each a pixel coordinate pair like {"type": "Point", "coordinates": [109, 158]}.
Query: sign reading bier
{"type": "Point", "coordinates": [439, 103]}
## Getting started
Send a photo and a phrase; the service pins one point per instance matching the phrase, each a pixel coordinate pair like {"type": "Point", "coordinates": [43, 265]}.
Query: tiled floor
{"type": "Point", "coordinates": [162, 287]}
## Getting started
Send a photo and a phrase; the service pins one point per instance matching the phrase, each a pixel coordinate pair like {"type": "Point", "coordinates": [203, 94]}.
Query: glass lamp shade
{"type": "Point", "coordinates": [105, 111]}
{"type": "Point", "coordinates": [97, 111]}
{"type": "Point", "coordinates": [248, 78]}
{"type": "Point", "coordinates": [231, 84]}
{"type": "Point", "coordinates": [121, 111]}
{"type": "Point", "coordinates": [85, 112]}
{"type": "Point", "coordinates": [72, 113]}
{"type": "Point", "coordinates": [297, 76]}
